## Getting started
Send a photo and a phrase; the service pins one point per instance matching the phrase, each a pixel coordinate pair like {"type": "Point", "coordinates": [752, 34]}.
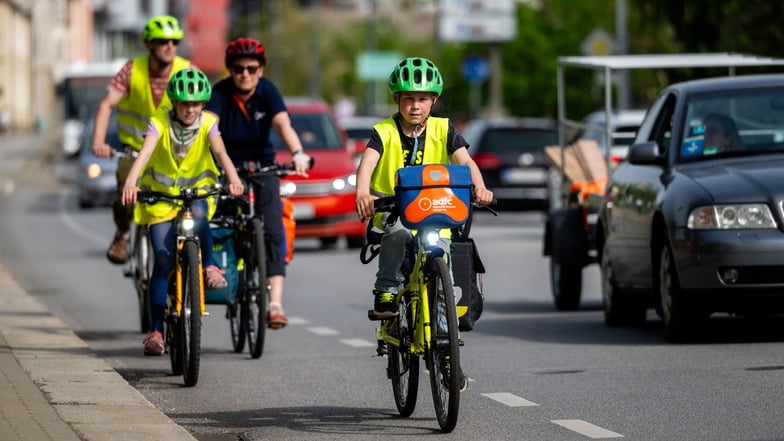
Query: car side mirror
{"type": "Point", "coordinates": [645, 153]}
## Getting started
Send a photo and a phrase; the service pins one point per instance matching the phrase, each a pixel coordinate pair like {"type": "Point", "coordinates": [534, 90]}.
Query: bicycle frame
{"type": "Point", "coordinates": [185, 234]}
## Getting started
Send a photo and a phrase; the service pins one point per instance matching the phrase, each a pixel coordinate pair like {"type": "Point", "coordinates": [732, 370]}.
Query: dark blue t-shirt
{"type": "Point", "coordinates": [247, 138]}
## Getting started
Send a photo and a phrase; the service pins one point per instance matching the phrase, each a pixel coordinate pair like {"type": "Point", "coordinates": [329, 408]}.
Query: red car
{"type": "Point", "coordinates": [324, 203]}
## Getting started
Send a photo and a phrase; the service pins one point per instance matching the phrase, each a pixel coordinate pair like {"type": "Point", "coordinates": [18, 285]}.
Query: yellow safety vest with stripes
{"type": "Point", "coordinates": [382, 181]}
{"type": "Point", "coordinates": [166, 174]}
{"type": "Point", "coordinates": [136, 107]}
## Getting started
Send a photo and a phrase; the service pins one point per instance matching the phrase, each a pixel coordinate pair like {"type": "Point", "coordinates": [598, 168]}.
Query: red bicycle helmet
{"type": "Point", "coordinates": [245, 48]}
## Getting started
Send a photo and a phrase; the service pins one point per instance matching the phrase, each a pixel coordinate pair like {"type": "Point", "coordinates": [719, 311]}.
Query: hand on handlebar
{"type": "Point", "coordinates": [302, 163]}
{"type": "Point", "coordinates": [365, 207]}
{"type": "Point", "coordinates": [483, 196]}
{"type": "Point", "coordinates": [129, 194]}
{"type": "Point", "coordinates": [236, 189]}
{"type": "Point", "coordinates": [102, 150]}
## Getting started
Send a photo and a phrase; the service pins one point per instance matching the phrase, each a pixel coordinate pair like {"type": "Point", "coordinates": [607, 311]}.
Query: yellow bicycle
{"type": "Point", "coordinates": [185, 303]}
{"type": "Point", "coordinates": [427, 321]}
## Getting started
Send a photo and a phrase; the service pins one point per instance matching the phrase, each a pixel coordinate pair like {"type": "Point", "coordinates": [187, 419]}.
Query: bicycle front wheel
{"type": "Point", "coordinates": [256, 288]}
{"type": "Point", "coordinates": [190, 316]}
{"type": "Point", "coordinates": [446, 376]}
{"type": "Point", "coordinates": [403, 365]}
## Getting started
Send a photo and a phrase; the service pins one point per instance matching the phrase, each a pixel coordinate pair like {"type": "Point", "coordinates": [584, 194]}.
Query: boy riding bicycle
{"type": "Point", "coordinates": [410, 137]}
{"type": "Point", "coordinates": [176, 153]}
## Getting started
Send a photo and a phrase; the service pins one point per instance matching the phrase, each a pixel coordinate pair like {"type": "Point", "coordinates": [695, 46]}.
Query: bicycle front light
{"type": "Point", "coordinates": [186, 225]}
{"type": "Point", "coordinates": [432, 238]}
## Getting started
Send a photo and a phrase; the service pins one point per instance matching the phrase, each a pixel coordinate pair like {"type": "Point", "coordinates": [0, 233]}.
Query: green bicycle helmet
{"type": "Point", "coordinates": [164, 27]}
{"type": "Point", "coordinates": [416, 74]}
{"type": "Point", "coordinates": [189, 84]}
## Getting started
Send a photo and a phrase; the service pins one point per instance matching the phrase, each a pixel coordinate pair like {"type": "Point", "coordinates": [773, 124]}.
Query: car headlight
{"type": "Point", "coordinates": [287, 188]}
{"type": "Point", "coordinates": [345, 183]}
{"type": "Point", "coordinates": [731, 217]}
{"type": "Point", "coordinates": [93, 171]}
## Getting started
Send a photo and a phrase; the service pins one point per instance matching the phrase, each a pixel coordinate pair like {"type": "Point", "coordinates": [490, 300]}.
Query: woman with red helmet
{"type": "Point", "coordinates": [249, 106]}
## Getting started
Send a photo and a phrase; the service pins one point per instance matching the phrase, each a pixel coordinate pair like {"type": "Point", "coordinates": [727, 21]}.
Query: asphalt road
{"type": "Point", "coordinates": [536, 374]}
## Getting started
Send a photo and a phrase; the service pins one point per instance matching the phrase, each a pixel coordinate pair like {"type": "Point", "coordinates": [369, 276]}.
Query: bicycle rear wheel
{"type": "Point", "coordinates": [141, 268]}
{"type": "Point", "coordinates": [403, 365]}
{"type": "Point", "coordinates": [190, 317]}
{"type": "Point", "coordinates": [446, 375]}
{"type": "Point", "coordinates": [256, 288]}
{"type": "Point", "coordinates": [239, 327]}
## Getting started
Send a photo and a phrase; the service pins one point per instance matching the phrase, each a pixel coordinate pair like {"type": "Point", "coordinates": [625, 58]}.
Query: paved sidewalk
{"type": "Point", "coordinates": [52, 387]}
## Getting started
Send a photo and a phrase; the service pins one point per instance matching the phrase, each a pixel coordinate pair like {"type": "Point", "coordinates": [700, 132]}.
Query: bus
{"type": "Point", "coordinates": [82, 89]}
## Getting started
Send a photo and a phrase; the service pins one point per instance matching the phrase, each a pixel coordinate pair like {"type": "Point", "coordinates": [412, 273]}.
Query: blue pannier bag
{"type": "Point", "coordinates": [225, 258]}
{"type": "Point", "coordinates": [434, 195]}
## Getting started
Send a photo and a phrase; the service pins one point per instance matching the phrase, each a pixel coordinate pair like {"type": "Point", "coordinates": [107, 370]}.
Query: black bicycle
{"type": "Point", "coordinates": [248, 313]}
{"type": "Point", "coordinates": [185, 301]}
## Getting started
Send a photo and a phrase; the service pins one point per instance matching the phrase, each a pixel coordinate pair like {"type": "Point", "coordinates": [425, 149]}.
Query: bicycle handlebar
{"type": "Point", "coordinates": [254, 168]}
{"type": "Point", "coordinates": [187, 195]}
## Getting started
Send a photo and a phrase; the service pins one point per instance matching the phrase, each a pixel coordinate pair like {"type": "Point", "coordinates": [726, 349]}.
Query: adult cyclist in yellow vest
{"type": "Point", "coordinates": [410, 137]}
{"type": "Point", "coordinates": [178, 150]}
{"type": "Point", "coordinates": [137, 91]}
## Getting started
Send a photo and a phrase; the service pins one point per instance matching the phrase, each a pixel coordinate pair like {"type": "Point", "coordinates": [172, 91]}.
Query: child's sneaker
{"type": "Point", "coordinates": [384, 304]}
{"type": "Point", "coordinates": [153, 344]}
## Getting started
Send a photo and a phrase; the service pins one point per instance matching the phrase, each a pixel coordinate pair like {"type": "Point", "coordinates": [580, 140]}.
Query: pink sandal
{"type": "Point", "coordinates": [213, 277]}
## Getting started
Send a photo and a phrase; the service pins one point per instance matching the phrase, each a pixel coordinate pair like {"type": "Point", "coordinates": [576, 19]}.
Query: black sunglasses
{"type": "Point", "coordinates": [237, 69]}
{"type": "Point", "coordinates": [162, 41]}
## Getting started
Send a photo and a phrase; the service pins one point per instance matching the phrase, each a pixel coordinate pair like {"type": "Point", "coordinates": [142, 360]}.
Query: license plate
{"type": "Point", "coordinates": [523, 176]}
{"type": "Point", "coordinates": [304, 211]}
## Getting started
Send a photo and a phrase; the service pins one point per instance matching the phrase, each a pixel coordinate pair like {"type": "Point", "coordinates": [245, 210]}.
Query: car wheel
{"type": "Point", "coordinates": [354, 242]}
{"type": "Point", "coordinates": [328, 242]}
{"type": "Point", "coordinates": [566, 282]}
{"type": "Point", "coordinates": [619, 309]}
{"type": "Point", "coordinates": [675, 311]}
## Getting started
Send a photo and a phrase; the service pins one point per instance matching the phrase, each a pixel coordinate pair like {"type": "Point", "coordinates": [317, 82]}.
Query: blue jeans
{"type": "Point", "coordinates": [389, 277]}
{"type": "Point", "coordinates": [162, 238]}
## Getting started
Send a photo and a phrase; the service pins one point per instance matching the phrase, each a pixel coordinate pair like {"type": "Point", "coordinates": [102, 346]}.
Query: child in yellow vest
{"type": "Point", "coordinates": [410, 137]}
{"type": "Point", "coordinates": [176, 149]}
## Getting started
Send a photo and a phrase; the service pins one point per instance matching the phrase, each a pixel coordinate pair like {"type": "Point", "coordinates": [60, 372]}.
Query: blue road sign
{"type": "Point", "coordinates": [475, 69]}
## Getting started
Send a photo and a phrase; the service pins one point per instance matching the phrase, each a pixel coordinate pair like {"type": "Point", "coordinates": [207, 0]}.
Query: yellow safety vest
{"type": "Point", "coordinates": [163, 173]}
{"type": "Point", "coordinates": [382, 181]}
{"type": "Point", "coordinates": [136, 107]}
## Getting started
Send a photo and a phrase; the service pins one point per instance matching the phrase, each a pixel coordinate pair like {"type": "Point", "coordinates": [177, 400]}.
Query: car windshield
{"type": "Point", "coordinates": [516, 140]}
{"type": "Point", "coordinates": [315, 130]}
{"type": "Point", "coordinates": [733, 123]}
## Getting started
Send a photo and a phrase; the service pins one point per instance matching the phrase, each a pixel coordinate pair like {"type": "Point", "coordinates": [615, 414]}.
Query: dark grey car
{"type": "Point", "coordinates": [510, 153]}
{"type": "Point", "coordinates": [694, 224]}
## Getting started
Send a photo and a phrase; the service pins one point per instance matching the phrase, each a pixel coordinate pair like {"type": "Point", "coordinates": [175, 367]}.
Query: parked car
{"type": "Point", "coordinates": [510, 153]}
{"type": "Point", "coordinates": [324, 203]}
{"type": "Point", "coordinates": [358, 130]}
{"type": "Point", "coordinates": [96, 178]}
{"type": "Point", "coordinates": [694, 224]}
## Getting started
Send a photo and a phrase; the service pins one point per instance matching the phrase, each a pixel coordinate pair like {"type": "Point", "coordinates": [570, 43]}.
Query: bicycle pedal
{"type": "Point", "coordinates": [127, 273]}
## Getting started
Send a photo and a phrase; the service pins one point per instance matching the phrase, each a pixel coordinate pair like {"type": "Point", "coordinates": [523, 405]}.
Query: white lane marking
{"type": "Point", "coordinates": [75, 226]}
{"type": "Point", "coordinates": [510, 399]}
{"type": "Point", "coordinates": [357, 343]}
{"type": "Point", "coordinates": [322, 330]}
{"type": "Point", "coordinates": [298, 321]}
{"type": "Point", "coordinates": [587, 429]}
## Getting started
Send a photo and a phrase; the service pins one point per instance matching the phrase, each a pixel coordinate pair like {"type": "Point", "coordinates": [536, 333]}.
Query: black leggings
{"type": "Point", "coordinates": [268, 203]}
